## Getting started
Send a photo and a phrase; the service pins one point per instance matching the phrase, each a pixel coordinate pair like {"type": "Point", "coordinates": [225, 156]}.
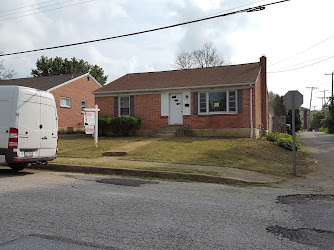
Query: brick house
{"type": "Point", "coordinates": [218, 101]}
{"type": "Point", "coordinates": [72, 92]}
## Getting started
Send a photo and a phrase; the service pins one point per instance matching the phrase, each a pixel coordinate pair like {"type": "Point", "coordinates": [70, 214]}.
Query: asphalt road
{"type": "Point", "coordinates": [46, 210]}
{"type": "Point", "coordinates": [321, 179]}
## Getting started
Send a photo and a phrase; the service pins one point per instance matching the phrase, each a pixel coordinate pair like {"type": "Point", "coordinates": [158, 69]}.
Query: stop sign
{"type": "Point", "coordinates": [293, 95]}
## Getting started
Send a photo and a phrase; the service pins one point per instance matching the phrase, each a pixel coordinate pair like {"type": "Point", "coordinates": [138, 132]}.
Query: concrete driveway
{"type": "Point", "coordinates": [321, 148]}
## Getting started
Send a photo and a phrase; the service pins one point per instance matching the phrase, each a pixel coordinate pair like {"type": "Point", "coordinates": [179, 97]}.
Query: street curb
{"type": "Point", "coordinates": [142, 173]}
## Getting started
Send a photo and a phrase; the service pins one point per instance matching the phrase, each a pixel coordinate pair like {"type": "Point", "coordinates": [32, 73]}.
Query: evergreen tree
{"type": "Point", "coordinates": [48, 66]}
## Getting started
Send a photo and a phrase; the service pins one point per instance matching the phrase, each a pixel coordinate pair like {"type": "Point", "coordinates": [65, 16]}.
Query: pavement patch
{"type": "Point", "coordinates": [126, 182]}
{"type": "Point", "coordinates": [301, 198]}
{"type": "Point", "coordinates": [307, 236]}
{"type": "Point", "coordinates": [36, 242]}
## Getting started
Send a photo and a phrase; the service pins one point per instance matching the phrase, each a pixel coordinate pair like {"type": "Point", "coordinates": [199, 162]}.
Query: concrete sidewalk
{"type": "Point", "coordinates": [224, 175]}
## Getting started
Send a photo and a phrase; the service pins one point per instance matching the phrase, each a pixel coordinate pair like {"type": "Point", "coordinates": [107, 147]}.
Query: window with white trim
{"type": "Point", "coordinates": [219, 102]}
{"type": "Point", "coordinates": [83, 105]}
{"type": "Point", "coordinates": [65, 102]}
{"type": "Point", "coordinates": [124, 106]}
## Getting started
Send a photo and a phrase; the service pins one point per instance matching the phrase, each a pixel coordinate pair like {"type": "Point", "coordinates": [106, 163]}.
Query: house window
{"type": "Point", "coordinates": [65, 102]}
{"type": "Point", "coordinates": [124, 106]}
{"type": "Point", "coordinates": [222, 102]}
{"type": "Point", "coordinates": [83, 105]}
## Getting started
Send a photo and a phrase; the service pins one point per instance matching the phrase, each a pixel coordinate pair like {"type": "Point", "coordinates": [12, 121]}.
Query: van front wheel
{"type": "Point", "coordinates": [18, 166]}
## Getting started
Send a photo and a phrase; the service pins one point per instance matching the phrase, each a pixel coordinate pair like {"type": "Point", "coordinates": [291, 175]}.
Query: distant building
{"type": "Point", "coordinates": [304, 114]}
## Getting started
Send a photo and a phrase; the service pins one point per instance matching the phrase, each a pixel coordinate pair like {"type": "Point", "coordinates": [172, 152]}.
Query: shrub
{"type": "Point", "coordinates": [284, 140]}
{"type": "Point", "coordinates": [118, 126]}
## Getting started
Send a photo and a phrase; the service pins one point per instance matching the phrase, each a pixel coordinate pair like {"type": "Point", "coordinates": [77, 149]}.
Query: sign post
{"type": "Point", "coordinates": [91, 120]}
{"type": "Point", "coordinates": [292, 100]}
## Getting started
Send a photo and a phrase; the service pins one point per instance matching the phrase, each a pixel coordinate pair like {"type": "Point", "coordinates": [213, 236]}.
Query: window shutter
{"type": "Point", "coordinates": [239, 94]}
{"type": "Point", "coordinates": [195, 103]}
{"type": "Point", "coordinates": [132, 105]}
{"type": "Point", "coordinates": [115, 106]}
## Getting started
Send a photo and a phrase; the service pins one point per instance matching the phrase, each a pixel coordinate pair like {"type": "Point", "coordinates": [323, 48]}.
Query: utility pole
{"type": "Point", "coordinates": [312, 88]}
{"type": "Point", "coordinates": [331, 108]}
{"type": "Point", "coordinates": [314, 107]}
{"type": "Point", "coordinates": [323, 99]}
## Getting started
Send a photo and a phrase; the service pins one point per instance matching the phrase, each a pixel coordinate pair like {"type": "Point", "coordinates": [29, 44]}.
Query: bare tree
{"type": "Point", "coordinates": [207, 56]}
{"type": "Point", "coordinates": [183, 60]}
{"type": "Point", "coordinates": [5, 73]}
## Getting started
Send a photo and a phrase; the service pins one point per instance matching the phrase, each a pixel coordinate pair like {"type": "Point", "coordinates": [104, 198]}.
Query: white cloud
{"type": "Point", "coordinates": [279, 31]}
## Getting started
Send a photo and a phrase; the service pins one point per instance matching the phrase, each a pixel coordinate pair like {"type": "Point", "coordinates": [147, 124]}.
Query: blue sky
{"type": "Point", "coordinates": [280, 31]}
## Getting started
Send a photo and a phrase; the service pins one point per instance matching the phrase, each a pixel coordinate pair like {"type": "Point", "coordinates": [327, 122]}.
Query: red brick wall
{"type": "Point", "coordinates": [148, 107]}
{"type": "Point", "coordinates": [257, 101]}
{"type": "Point", "coordinates": [80, 89]}
{"type": "Point", "coordinates": [106, 105]}
{"type": "Point", "coordinates": [264, 92]}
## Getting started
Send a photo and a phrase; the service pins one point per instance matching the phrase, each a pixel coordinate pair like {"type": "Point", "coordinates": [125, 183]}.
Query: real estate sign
{"type": "Point", "coordinates": [89, 118]}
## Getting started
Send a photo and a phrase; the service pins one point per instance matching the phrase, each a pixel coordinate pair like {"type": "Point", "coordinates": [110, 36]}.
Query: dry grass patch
{"type": "Point", "coordinates": [82, 146]}
{"type": "Point", "coordinates": [243, 153]}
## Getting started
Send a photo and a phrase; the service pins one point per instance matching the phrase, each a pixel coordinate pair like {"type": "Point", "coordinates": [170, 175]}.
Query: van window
{"type": "Point", "coordinates": [65, 102]}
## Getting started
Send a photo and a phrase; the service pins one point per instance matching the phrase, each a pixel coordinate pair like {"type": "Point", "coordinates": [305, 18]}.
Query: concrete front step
{"type": "Point", "coordinates": [170, 131]}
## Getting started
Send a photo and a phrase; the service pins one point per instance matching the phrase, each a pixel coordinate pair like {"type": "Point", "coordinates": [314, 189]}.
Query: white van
{"type": "Point", "coordinates": [28, 126]}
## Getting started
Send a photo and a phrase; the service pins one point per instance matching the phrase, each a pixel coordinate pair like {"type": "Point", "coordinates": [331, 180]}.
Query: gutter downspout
{"type": "Point", "coordinates": [251, 111]}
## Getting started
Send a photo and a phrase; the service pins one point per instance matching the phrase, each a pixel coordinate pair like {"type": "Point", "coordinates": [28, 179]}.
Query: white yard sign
{"type": "Point", "coordinates": [91, 122]}
{"type": "Point", "coordinates": [89, 118]}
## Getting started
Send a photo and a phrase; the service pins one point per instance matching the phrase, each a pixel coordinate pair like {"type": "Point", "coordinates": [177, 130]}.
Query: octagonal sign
{"type": "Point", "coordinates": [289, 96]}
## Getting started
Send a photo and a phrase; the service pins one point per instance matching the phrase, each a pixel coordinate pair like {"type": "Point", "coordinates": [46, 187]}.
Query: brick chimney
{"type": "Point", "coordinates": [264, 92]}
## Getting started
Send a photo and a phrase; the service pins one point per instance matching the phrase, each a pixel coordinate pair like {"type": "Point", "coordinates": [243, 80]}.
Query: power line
{"type": "Point", "coordinates": [240, 6]}
{"type": "Point", "coordinates": [303, 63]}
{"type": "Point", "coordinates": [252, 9]}
{"type": "Point", "coordinates": [25, 6]}
{"type": "Point", "coordinates": [234, 8]}
{"type": "Point", "coordinates": [47, 10]}
{"type": "Point", "coordinates": [42, 7]}
{"type": "Point", "coordinates": [281, 71]}
{"type": "Point", "coordinates": [303, 51]}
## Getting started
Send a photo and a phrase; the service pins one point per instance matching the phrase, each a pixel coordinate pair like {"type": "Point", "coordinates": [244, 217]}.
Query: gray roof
{"type": "Point", "coordinates": [43, 83]}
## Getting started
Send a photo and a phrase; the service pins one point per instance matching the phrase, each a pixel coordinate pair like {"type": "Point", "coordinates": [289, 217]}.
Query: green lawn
{"type": "Point", "coordinates": [81, 145]}
{"type": "Point", "coordinates": [244, 153]}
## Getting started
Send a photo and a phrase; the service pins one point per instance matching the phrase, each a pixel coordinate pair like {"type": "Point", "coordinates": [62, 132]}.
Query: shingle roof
{"type": "Point", "coordinates": [232, 74]}
{"type": "Point", "coordinates": [42, 83]}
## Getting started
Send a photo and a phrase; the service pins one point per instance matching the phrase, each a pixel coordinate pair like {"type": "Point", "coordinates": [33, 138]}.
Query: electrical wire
{"type": "Point", "coordinates": [252, 9]}
{"type": "Point", "coordinates": [18, 57]}
{"type": "Point", "coordinates": [302, 64]}
{"type": "Point", "coordinates": [2, 11]}
{"type": "Point", "coordinates": [213, 14]}
{"type": "Point", "coordinates": [38, 8]}
{"type": "Point", "coordinates": [302, 51]}
{"type": "Point", "coordinates": [281, 71]}
{"type": "Point", "coordinates": [47, 10]}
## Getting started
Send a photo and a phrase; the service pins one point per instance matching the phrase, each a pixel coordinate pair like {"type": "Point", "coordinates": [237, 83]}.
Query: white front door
{"type": "Point", "coordinates": [175, 109]}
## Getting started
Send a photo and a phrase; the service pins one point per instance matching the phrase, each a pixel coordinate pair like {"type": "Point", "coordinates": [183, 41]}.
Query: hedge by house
{"type": "Point", "coordinates": [284, 140]}
{"type": "Point", "coordinates": [118, 126]}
